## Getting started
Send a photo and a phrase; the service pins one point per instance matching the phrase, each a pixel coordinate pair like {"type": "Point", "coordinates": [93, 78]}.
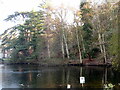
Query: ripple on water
{"type": "Point", "coordinates": [20, 72]}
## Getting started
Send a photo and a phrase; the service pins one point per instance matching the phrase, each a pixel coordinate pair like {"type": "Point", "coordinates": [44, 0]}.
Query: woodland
{"type": "Point", "coordinates": [46, 36]}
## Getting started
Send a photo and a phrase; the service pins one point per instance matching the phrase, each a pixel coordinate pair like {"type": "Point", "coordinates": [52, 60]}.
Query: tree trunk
{"type": "Point", "coordinates": [66, 45]}
{"type": "Point", "coordinates": [62, 48]}
{"type": "Point", "coordinates": [78, 43]}
{"type": "Point", "coordinates": [83, 44]}
{"type": "Point", "coordinates": [101, 39]}
{"type": "Point", "coordinates": [3, 53]}
{"type": "Point", "coordinates": [48, 41]}
{"type": "Point", "coordinates": [100, 42]}
{"type": "Point", "coordinates": [89, 56]}
{"type": "Point", "coordinates": [48, 46]}
{"type": "Point", "coordinates": [104, 50]}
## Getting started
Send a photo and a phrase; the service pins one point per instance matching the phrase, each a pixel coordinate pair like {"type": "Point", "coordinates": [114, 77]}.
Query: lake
{"type": "Point", "coordinates": [31, 76]}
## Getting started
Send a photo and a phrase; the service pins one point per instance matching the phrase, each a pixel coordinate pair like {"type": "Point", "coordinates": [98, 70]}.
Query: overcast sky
{"type": "Point", "coordinates": [8, 7]}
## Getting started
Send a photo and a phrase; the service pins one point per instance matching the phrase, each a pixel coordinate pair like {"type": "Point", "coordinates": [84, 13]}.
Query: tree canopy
{"type": "Point", "coordinates": [46, 34]}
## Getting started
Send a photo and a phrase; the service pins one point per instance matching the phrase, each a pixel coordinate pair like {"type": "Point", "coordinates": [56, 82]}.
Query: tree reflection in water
{"type": "Point", "coordinates": [58, 77]}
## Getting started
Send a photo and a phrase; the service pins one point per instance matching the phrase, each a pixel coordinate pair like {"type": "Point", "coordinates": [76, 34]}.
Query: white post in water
{"type": "Point", "coordinates": [82, 80]}
{"type": "Point", "coordinates": [68, 86]}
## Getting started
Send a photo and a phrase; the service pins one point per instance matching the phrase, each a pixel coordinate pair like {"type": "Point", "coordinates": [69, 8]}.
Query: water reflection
{"type": "Point", "coordinates": [57, 77]}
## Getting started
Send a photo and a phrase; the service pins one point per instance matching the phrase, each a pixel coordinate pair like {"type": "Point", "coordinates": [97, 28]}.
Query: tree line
{"type": "Point", "coordinates": [46, 34]}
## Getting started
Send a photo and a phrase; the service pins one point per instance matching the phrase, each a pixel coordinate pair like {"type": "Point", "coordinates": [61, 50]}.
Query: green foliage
{"type": "Point", "coordinates": [114, 49]}
{"type": "Point", "coordinates": [29, 41]}
{"type": "Point", "coordinates": [24, 45]}
{"type": "Point", "coordinates": [87, 27]}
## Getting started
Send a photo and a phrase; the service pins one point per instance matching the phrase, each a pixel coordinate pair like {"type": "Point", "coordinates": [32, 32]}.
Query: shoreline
{"type": "Point", "coordinates": [55, 65]}
{"type": "Point", "coordinates": [55, 62]}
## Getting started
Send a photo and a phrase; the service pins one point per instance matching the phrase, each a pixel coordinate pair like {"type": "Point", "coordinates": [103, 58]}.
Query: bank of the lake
{"type": "Point", "coordinates": [57, 62]}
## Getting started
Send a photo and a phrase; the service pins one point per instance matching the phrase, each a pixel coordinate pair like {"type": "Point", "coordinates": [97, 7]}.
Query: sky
{"type": "Point", "coordinates": [8, 7]}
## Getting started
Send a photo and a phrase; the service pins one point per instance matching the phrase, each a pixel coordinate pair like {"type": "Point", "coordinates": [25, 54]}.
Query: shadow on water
{"type": "Point", "coordinates": [58, 77]}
